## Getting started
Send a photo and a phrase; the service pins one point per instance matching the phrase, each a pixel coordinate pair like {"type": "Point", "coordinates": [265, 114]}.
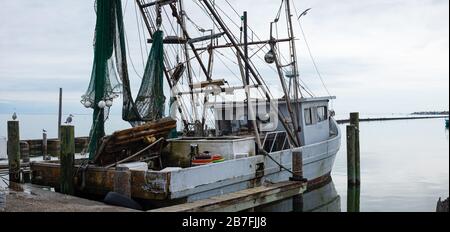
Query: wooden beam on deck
{"type": "Point", "coordinates": [242, 200]}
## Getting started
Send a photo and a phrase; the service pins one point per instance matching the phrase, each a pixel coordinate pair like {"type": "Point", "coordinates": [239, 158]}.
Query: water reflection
{"type": "Point", "coordinates": [321, 199]}
{"type": "Point", "coordinates": [353, 198]}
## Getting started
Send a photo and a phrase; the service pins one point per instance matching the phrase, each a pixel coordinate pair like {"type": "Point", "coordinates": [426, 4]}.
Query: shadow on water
{"type": "Point", "coordinates": [320, 199]}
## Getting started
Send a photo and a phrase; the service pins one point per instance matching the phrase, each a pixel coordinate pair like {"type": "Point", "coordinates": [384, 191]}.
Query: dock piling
{"type": "Point", "coordinates": [297, 169]}
{"type": "Point", "coordinates": [14, 151]}
{"type": "Point", "coordinates": [354, 120]}
{"type": "Point", "coordinates": [67, 158]}
{"type": "Point", "coordinates": [45, 147]}
{"type": "Point", "coordinates": [297, 166]}
{"type": "Point", "coordinates": [25, 151]}
{"type": "Point", "coordinates": [25, 156]}
{"type": "Point", "coordinates": [351, 155]}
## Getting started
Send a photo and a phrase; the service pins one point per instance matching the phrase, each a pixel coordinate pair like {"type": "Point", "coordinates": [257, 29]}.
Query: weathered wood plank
{"type": "Point", "coordinates": [351, 153]}
{"type": "Point", "coordinates": [14, 151]}
{"type": "Point", "coordinates": [67, 159]}
{"type": "Point", "coordinates": [100, 181]}
{"type": "Point", "coordinates": [354, 120]}
{"type": "Point", "coordinates": [241, 200]}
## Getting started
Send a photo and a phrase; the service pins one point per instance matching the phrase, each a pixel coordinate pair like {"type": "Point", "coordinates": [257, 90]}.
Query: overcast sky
{"type": "Point", "coordinates": [376, 56]}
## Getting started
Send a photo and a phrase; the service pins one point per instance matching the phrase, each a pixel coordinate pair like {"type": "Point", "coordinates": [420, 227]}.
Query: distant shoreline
{"type": "Point", "coordinates": [428, 113]}
{"type": "Point", "coordinates": [345, 121]}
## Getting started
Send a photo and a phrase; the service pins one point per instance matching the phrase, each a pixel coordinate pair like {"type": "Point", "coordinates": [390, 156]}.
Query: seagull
{"type": "Point", "coordinates": [69, 119]}
{"type": "Point", "coordinates": [304, 13]}
{"type": "Point", "coordinates": [14, 116]}
{"type": "Point", "coordinates": [44, 131]}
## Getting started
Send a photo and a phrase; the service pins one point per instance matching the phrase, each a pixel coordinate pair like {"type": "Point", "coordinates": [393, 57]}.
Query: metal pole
{"type": "Point", "coordinates": [188, 61]}
{"type": "Point", "coordinates": [281, 117]}
{"type": "Point", "coordinates": [247, 72]}
{"type": "Point", "coordinates": [166, 72]}
{"type": "Point", "coordinates": [295, 65]}
{"type": "Point", "coordinates": [60, 113]}
{"type": "Point", "coordinates": [294, 115]}
{"type": "Point", "coordinates": [186, 35]}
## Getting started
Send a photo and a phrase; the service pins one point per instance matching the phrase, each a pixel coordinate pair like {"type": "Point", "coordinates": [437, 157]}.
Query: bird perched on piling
{"type": "Point", "coordinates": [44, 131]}
{"type": "Point", "coordinates": [69, 119]}
{"type": "Point", "coordinates": [14, 116]}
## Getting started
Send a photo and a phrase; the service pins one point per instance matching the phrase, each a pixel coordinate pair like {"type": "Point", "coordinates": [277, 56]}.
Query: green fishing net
{"type": "Point", "coordinates": [110, 65]}
{"type": "Point", "coordinates": [150, 101]}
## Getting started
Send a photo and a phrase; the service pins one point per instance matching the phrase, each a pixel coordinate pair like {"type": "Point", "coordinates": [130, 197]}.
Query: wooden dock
{"type": "Point", "coordinates": [242, 200]}
{"type": "Point", "coordinates": [31, 198]}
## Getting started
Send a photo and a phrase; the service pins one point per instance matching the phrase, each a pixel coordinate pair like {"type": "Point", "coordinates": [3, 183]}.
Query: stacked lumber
{"type": "Point", "coordinates": [125, 143]}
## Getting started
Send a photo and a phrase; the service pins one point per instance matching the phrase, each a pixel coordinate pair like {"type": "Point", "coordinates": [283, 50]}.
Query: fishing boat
{"type": "Point", "coordinates": [225, 131]}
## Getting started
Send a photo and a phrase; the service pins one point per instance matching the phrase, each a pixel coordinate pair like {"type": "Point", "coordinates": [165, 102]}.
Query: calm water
{"type": "Point", "coordinates": [404, 164]}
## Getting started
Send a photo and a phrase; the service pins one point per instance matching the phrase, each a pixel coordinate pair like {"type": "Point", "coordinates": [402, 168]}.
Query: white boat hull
{"type": "Point", "coordinates": [235, 175]}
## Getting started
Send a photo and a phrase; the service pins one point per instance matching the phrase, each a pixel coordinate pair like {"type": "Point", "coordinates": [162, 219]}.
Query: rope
{"type": "Point", "coordinates": [4, 181]}
{"type": "Point", "coordinates": [277, 163]}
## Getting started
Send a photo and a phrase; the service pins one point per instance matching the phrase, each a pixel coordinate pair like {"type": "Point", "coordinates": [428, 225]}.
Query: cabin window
{"type": "Point", "coordinates": [308, 117]}
{"type": "Point", "coordinates": [322, 113]}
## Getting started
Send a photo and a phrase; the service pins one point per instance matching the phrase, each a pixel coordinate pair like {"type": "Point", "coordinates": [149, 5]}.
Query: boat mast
{"type": "Point", "coordinates": [251, 119]}
{"type": "Point", "coordinates": [188, 60]}
{"type": "Point", "coordinates": [146, 17]}
{"type": "Point", "coordinates": [186, 35]}
{"type": "Point", "coordinates": [294, 62]}
{"type": "Point", "coordinates": [293, 115]}
{"type": "Point", "coordinates": [281, 117]}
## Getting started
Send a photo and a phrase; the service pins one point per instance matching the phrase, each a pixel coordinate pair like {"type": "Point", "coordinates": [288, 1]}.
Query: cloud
{"type": "Point", "coordinates": [375, 55]}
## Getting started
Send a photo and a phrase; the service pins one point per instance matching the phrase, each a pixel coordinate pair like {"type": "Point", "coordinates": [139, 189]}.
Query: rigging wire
{"type": "Point", "coordinates": [302, 84]}
{"type": "Point", "coordinates": [253, 33]}
{"type": "Point", "coordinates": [257, 55]}
{"type": "Point", "coordinates": [149, 15]}
{"type": "Point", "coordinates": [168, 61]}
{"type": "Point", "coordinates": [253, 65]}
{"type": "Point", "coordinates": [139, 35]}
{"type": "Point", "coordinates": [129, 56]}
{"type": "Point", "coordinates": [309, 51]}
{"type": "Point", "coordinates": [128, 45]}
{"type": "Point", "coordinates": [226, 66]}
